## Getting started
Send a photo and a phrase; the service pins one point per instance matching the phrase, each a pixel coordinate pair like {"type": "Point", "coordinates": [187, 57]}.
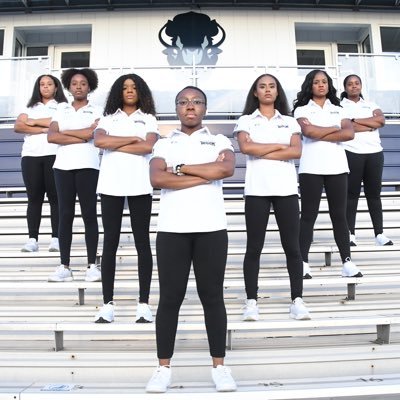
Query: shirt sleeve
{"type": "Point", "coordinates": [300, 112]}
{"type": "Point", "coordinates": [58, 114]}
{"type": "Point", "coordinates": [104, 123]}
{"type": "Point", "coordinates": [159, 149]}
{"type": "Point", "coordinates": [151, 125]}
{"type": "Point", "coordinates": [294, 126]}
{"type": "Point", "coordinates": [223, 143]}
{"type": "Point", "coordinates": [242, 124]}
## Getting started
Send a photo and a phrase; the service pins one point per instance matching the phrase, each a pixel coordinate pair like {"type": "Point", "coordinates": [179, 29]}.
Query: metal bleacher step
{"type": "Point", "coordinates": [341, 352]}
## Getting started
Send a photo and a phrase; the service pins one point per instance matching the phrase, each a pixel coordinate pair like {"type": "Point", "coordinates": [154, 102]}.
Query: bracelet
{"type": "Point", "coordinates": [177, 170]}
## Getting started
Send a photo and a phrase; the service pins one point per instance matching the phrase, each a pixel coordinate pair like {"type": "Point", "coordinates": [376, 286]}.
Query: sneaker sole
{"type": "Point", "coordinates": [150, 390]}
{"type": "Point", "coordinates": [142, 320]}
{"type": "Point", "coordinates": [303, 317]}
{"type": "Point", "coordinates": [101, 320]}
{"type": "Point", "coordinates": [307, 276]}
{"type": "Point", "coordinates": [93, 280]}
{"type": "Point", "coordinates": [63, 280]}
{"type": "Point", "coordinates": [29, 251]}
{"type": "Point", "coordinates": [52, 250]}
{"type": "Point", "coordinates": [227, 389]}
{"type": "Point", "coordinates": [357, 275]}
{"type": "Point", "coordinates": [251, 319]}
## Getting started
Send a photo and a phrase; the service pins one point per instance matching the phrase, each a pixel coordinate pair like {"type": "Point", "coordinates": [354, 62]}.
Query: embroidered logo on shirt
{"type": "Point", "coordinates": [283, 126]}
{"type": "Point", "coordinates": [209, 143]}
{"type": "Point", "coordinates": [140, 122]}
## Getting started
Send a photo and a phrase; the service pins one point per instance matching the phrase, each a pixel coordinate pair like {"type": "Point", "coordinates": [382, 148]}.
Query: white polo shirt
{"type": "Point", "coordinates": [124, 174]}
{"type": "Point", "coordinates": [363, 142]}
{"type": "Point", "coordinates": [269, 177]}
{"type": "Point", "coordinates": [199, 208]}
{"type": "Point", "coordinates": [319, 157]}
{"type": "Point", "coordinates": [37, 145]}
{"type": "Point", "coordinates": [79, 155]}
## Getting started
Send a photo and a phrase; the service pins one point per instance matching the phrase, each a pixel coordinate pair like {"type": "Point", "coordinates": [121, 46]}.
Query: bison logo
{"type": "Point", "coordinates": [191, 38]}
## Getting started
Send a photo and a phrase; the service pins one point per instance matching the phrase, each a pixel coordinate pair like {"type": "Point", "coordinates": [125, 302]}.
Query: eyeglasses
{"type": "Point", "coordinates": [193, 102]}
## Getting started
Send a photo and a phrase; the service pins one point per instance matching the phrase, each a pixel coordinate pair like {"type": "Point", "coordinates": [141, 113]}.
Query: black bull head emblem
{"type": "Point", "coordinates": [191, 35]}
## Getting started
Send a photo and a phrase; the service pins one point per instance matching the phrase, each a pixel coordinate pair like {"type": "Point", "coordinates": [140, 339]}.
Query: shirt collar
{"type": "Point", "coordinates": [137, 112]}
{"type": "Point", "coordinates": [314, 104]}
{"type": "Point", "coordinates": [257, 114]}
{"type": "Point", "coordinates": [202, 131]}
{"type": "Point", "coordinates": [346, 100]}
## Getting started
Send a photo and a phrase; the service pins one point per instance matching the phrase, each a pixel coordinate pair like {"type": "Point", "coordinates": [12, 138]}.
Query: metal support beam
{"type": "Point", "coordinates": [81, 296]}
{"type": "Point", "coordinates": [58, 340]}
{"type": "Point", "coordinates": [351, 291]}
{"type": "Point", "coordinates": [383, 334]}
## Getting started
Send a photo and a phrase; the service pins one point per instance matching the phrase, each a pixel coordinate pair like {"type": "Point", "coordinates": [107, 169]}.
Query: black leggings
{"type": "Point", "coordinates": [365, 168]}
{"type": "Point", "coordinates": [38, 176]}
{"type": "Point", "coordinates": [175, 254]}
{"type": "Point", "coordinates": [336, 193]}
{"type": "Point", "coordinates": [140, 212]}
{"type": "Point", "coordinates": [257, 211]}
{"type": "Point", "coordinates": [69, 183]}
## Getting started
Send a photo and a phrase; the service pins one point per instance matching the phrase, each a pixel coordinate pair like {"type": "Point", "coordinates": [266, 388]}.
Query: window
{"type": "Point", "coordinates": [37, 51]}
{"type": "Point", "coordinates": [18, 48]}
{"type": "Point", "coordinates": [310, 57]}
{"type": "Point", "coordinates": [75, 59]}
{"type": "Point", "coordinates": [390, 39]}
{"type": "Point", "coordinates": [366, 45]}
{"type": "Point", "coordinates": [347, 48]}
{"type": "Point", "coordinates": [1, 41]}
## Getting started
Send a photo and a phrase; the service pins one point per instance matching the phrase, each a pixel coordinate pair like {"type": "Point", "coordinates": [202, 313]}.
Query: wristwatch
{"type": "Point", "coordinates": [177, 169]}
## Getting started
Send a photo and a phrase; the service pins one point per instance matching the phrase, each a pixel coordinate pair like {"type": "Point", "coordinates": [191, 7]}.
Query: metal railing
{"type": "Point", "coordinates": [226, 87]}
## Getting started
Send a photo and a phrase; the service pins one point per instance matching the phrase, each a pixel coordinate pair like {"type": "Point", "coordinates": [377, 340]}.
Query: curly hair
{"type": "Point", "coordinates": [344, 93]}
{"type": "Point", "coordinates": [36, 97]}
{"type": "Point", "coordinates": [252, 102]}
{"type": "Point", "coordinates": [115, 99]}
{"type": "Point", "coordinates": [194, 88]}
{"type": "Point", "coordinates": [305, 94]}
{"type": "Point", "coordinates": [88, 73]}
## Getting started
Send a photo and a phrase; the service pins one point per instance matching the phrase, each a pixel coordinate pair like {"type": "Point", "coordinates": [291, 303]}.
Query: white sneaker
{"type": "Point", "coordinates": [143, 313]}
{"type": "Point", "coordinates": [353, 240]}
{"type": "Point", "coordinates": [382, 240]}
{"type": "Point", "coordinates": [350, 269]}
{"type": "Point", "coordinates": [298, 310]}
{"type": "Point", "coordinates": [223, 380]}
{"type": "Point", "coordinates": [93, 273]}
{"type": "Point", "coordinates": [306, 271]}
{"type": "Point", "coordinates": [250, 311]}
{"type": "Point", "coordinates": [105, 314]}
{"type": "Point", "coordinates": [159, 381]}
{"type": "Point", "coordinates": [54, 245]}
{"type": "Point", "coordinates": [30, 246]}
{"type": "Point", "coordinates": [61, 274]}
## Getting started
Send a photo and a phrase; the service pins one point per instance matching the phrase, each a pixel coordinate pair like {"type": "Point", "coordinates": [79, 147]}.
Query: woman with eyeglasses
{"type": "Point", "coordinates": [271, 141]}
{"type": "Point", "coordinates": [189, 166]}
{"type": "Point", "coordinates": [365, 157]}
{"type": "Point", "coordinates": [37, 157]}
{"type": "Point", "coordinates": [126, 133]}
{"type": "Point", "coordinates": [323, 164]}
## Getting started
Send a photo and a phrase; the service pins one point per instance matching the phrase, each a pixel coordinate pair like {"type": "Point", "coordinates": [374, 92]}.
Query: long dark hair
{"type": "Point", "coordinates": [252, 102]}
{"type": "Point", "coordinates": [305, 94]}
{"type": "Point", "coordinates": [115, 99]}
{"type": "Point", "coordinates": [344, 93]}
{"type": "Point", "coordinates": [36, 97]}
